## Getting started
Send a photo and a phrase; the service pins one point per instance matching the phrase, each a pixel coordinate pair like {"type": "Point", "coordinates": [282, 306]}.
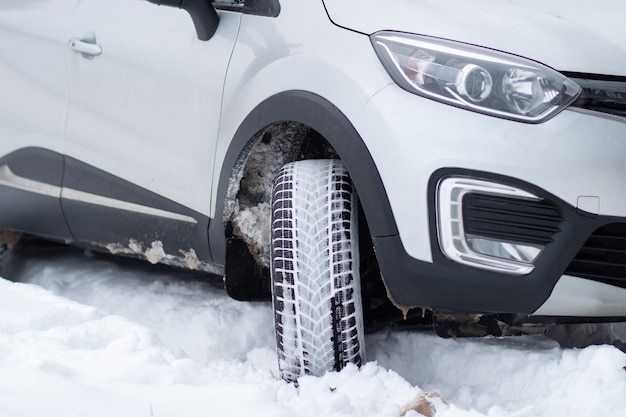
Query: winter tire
{"type": "Point", "coordinates": [315, 269]}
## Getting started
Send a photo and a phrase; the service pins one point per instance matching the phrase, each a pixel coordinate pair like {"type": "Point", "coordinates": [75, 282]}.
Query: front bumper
{"type": "Point", "coordinates": [573, 160]}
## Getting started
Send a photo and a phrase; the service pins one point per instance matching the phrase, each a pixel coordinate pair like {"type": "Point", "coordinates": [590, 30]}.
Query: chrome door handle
{"type": "Point", "coordinates": [85, 48]}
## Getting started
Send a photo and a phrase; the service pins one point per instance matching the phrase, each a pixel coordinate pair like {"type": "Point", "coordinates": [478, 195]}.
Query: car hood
{"type": "Point", "coordinates": [567, 35]}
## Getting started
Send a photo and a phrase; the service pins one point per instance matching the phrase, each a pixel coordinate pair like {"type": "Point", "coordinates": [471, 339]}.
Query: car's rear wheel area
{"type": "Point", "coordinates": [316, 287]}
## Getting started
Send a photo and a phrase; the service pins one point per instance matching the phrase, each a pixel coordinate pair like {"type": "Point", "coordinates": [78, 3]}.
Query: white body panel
{"type": "Point", "coordinates": [147, 109]}
{"type": "Point", "coordinates": [567, 35]}
{"type": "Point", "coordinates": [565, 155]}
{"type": "Point", "coordinates": [573, 296]}
{"type": "Point", "coordinates": [32, 108]}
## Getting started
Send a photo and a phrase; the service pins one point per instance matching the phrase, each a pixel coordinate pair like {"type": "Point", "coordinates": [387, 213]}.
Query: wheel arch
{"type": "Point", "coordinates": [320, 115]}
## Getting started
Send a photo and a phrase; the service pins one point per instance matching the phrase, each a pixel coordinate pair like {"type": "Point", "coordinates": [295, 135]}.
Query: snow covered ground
{"type": "Point", "coordinates": [83, 336]}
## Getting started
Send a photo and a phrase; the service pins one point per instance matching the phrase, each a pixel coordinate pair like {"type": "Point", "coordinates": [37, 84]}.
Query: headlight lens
{"type": "Point", "coordinates": [475, 78]}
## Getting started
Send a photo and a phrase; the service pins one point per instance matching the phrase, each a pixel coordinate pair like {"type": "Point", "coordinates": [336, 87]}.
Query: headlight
{"type": "Point", "coordinates": [475, 78]}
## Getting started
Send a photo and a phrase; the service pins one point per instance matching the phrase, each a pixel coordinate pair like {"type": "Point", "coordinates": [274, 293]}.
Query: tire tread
{"type": "Point", "coordinates": [315, 269]}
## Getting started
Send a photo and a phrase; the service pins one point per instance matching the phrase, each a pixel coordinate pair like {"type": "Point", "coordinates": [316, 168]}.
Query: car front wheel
{"type": "Point", "coordinates": [315, 269]}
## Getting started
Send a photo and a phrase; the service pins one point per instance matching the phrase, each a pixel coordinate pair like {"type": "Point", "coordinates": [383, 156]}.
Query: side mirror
{"type": "Point", "coordinates": [202, 13]}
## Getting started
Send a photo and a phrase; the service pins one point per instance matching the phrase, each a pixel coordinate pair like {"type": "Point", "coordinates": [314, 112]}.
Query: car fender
{"type": "Point", "coordinates": [321, 115]}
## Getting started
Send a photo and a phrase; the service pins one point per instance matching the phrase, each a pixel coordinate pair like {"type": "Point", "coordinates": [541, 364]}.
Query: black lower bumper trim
{"type": "Point", "coordinates": [445, 285]}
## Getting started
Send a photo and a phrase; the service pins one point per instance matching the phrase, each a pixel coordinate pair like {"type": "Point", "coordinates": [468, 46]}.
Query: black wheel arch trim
{"type": "Point", "coordinates": [321, 115]}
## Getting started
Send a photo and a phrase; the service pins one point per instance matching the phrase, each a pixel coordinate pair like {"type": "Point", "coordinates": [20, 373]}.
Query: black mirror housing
{"type": "Point", "coordinates": [202, 12]}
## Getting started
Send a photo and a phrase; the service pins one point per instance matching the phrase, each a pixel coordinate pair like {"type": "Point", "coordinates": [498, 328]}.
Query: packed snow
{"type": "Point", "coordinates": [81, 335]}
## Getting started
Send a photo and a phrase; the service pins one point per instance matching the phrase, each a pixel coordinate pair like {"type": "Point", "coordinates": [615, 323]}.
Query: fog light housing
{"type": "Point", "coordinates": [499, 254]}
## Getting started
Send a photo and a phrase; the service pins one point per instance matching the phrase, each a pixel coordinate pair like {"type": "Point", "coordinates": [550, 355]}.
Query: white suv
{"type": "Point", "coordinates": [464, 161]}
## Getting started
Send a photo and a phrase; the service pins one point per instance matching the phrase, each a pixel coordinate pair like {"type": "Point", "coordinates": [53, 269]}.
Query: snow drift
{"type": "Point", "coordinates": [83, 336]}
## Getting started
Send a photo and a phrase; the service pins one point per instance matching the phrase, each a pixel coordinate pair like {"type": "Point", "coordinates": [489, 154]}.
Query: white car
{"type": "Point", "coordinates": [463, 161]}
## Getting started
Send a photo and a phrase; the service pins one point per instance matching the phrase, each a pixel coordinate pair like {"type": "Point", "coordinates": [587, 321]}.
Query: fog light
{"type": "Point", "coordinates": [483, 252]}
{"type": "Point", "coordinates": [511, 251]}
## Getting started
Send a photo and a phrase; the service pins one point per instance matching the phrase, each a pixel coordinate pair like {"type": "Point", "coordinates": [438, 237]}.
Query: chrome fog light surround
{"type": "Point", "coordinates": [515, 258]}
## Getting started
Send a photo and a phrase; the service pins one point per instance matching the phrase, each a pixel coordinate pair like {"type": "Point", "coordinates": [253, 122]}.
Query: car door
{"type": "Point", "coordinates": [142, 121]}
{"type": "Point", "coordinates": [33, 99]}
